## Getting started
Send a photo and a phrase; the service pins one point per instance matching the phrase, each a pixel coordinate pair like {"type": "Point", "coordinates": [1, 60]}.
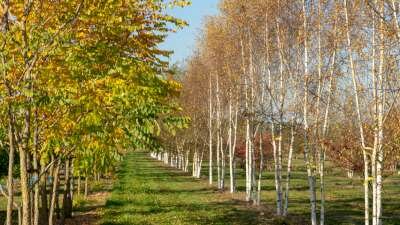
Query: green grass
{"type": "Point", "coordinates": [148, 192]}
{"type": "Point", "coordinates": [344, 196]}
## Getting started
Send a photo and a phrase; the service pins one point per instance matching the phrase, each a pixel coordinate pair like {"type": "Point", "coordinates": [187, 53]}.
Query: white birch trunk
{"type": "Point", "coordinates": [252, 166]}
{"type": "Point", "coordinates": [272, 119]}
{"type": "Point", "coordinates": [247, 123]}
{"type": "Point", "coordinates": [357, 104]}
{"type": "Point", "coordinates": [380, 135]}
{"type": "Point", "coordinates": [222, 182]}
{"type": "Point", "coordinates": [187, 161]}
{"type": "Point", "coordinates": [219, 141]}
{"type": "Point", "coordinates": [194, 163]}
{"type": "Point", "coordinates": [280, 137]}
{"type": "Point", "coordinates": [261, 169]}
{"type": "Point", "coordinates": [230, 146]}
{"type": "Point", "coordinates": [199, 164]}
{"type": "Point", "coordinates": [234, 144]}
{"type": "Point", "coordinates": [210, 142]}
{"type": "Point", "coordinates": [311, 180]}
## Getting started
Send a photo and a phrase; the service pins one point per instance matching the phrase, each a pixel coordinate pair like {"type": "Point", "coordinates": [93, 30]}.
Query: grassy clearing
{"type": "Point", "coordinates": [148, 192]}
{"type": "Point", "coordinates": [344, 196]}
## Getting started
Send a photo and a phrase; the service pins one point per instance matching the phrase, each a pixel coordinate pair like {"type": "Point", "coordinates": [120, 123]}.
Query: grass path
{"type": "Point", "coordinates": [148, 192]}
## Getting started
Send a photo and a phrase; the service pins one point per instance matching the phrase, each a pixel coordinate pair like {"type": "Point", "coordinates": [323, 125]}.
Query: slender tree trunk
{"type": "Point", "coordinates": [54, 195]}
{"type": "Point", "coordinates": [78, 191]}
{"type": "Point", "coordinates": [86, 186]}
{"type": "Point", "coordinates": [223, 163]}
{"type": "Point", "coordinates": [360, 125]}
{"type": "Point", "coordinates": [248, 145]}
{"type": "Point", "coordinates": [261, 169]}
{"type": "Point", "coordinates": [11, 141]}
{"type": "Point", "coordinates": [230, 145]}
{"type": "Point", "coordinates": [36, 170]}
{"type": "Point", "coordinates": [380, 101]}
{"type": "Point", "coordinates": [186, 161]}
{"type": "Point", "coordinates": [51, 175]}
{"type": "Point", "coordinates": [366, 188]}
{"type": "Point", "coordinates": [24, 176]}
{"type": "Point", "coordinates": [36, 195]}
{"type": "Point", "coordinates": [320, 155]}
{"type": "Point", "coordinates": [272, 119]}
{"type": "Point", "coordinates": [375, 97]}
{"type": "Point", "coordinates": [194, 163]}
{"type": "Point", "coordinates": [311, 178]}
{"type": "Point", "coordinates": [247, 122]}
{"type": "Point", "coordinates": [67, 201]}
{"type": "Point", "coordinates": [43, 211]}
{"type": "Point", "coordinates": [210, 142]}
{"type": "Point", "coordinates": [10, 181]}
{"type": "Point", "coordinates": [200, 165]}
{"type": "Point", "coordinates": [289, 167]}
{"type": "Point", "coordinates": [234, 143]}
{"type": "Point", "coordinates": [252, 158]}
{"type": "Point", "coordinates": [280, 127]}
{"type": "Point", "coordinates": [26, 212]}
{"type": "Point", "coordinates": [72, 183]}
{"type": "Point", "coordinates": [219, 141]}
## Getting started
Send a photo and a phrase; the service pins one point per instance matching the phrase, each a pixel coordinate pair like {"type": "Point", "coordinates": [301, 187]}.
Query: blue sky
{"type": "Point", "coordinates": [184, 41]}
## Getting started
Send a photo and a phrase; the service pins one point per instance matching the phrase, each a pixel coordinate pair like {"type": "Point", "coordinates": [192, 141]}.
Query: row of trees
{"type": "Point", "coordinates": [81, 83]}
{"type": "Point", "coordinates": [274, 78]}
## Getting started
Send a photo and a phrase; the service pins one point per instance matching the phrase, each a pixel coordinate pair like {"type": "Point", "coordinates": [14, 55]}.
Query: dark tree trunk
{"type": "Point", "coordinates": [67, 200]}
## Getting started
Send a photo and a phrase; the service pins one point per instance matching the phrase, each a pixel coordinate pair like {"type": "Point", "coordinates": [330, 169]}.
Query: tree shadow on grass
{"type": "Point", "coordinates": [192, 213]}
{"type": "Point", "coordinates": [163, 195]}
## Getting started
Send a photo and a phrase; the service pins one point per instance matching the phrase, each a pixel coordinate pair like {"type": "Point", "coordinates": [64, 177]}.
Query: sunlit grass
{"type": "Point", "coordinates": [150, 193]}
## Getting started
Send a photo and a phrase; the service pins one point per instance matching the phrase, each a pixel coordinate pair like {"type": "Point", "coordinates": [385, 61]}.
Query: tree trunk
{"type": "Point", "coordinates": [253, 131]}
{"type": "Point", "coordinates": [311, 178]}
{"type": "Point", "coordinates": [54, 195]}
{"type": "Point", "coordinates": [36, 190]}
{"type": "Point", "coordinates": [26, 211]}
{"type": "Point", "coordinates": [199, 165]}
{"type": "Point", "coordinates": [357, 106]}
{"type": "Point", "coordinates": [36, 170]}
{"type": "Point", "coordinates": [43, 211]}
{"type": "Point", "coordinates": [366, 188]}
{"type": "Point", "coordinates": [219, 141]}
{"type": "Point", "coordinates": [210, 156]}
{"type": "Point", "coordinates": [380, 134]}
{"type": "Point", "coordinates": [78, 191]}
{"type": "Point", "coordinates": [67, 201]}
{"type": "Point", "coordinates": [280, 127]}
{"type": "Point", "coordinates": [261, 169]}
{"type": "Point", "coordinates": [10, 181]}
{"type": "Point", "coordinates": [194, 163]}
{"type": "Point", "coordinates": [221, 148]}
{"type": "Point", "coordinates": [86, 186]}
{"type": "Point", "coordinates": [289, 168]}
{"type": "Point", "coordinates": [234, 145]}
{"type": "Point", "coordinates": [230, 146]}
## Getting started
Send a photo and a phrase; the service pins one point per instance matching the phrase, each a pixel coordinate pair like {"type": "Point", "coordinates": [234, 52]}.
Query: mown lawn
{"type": "Point", "coordinates": [148, 192]}
{"type": "Point", "coordinates": [344, 196]}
